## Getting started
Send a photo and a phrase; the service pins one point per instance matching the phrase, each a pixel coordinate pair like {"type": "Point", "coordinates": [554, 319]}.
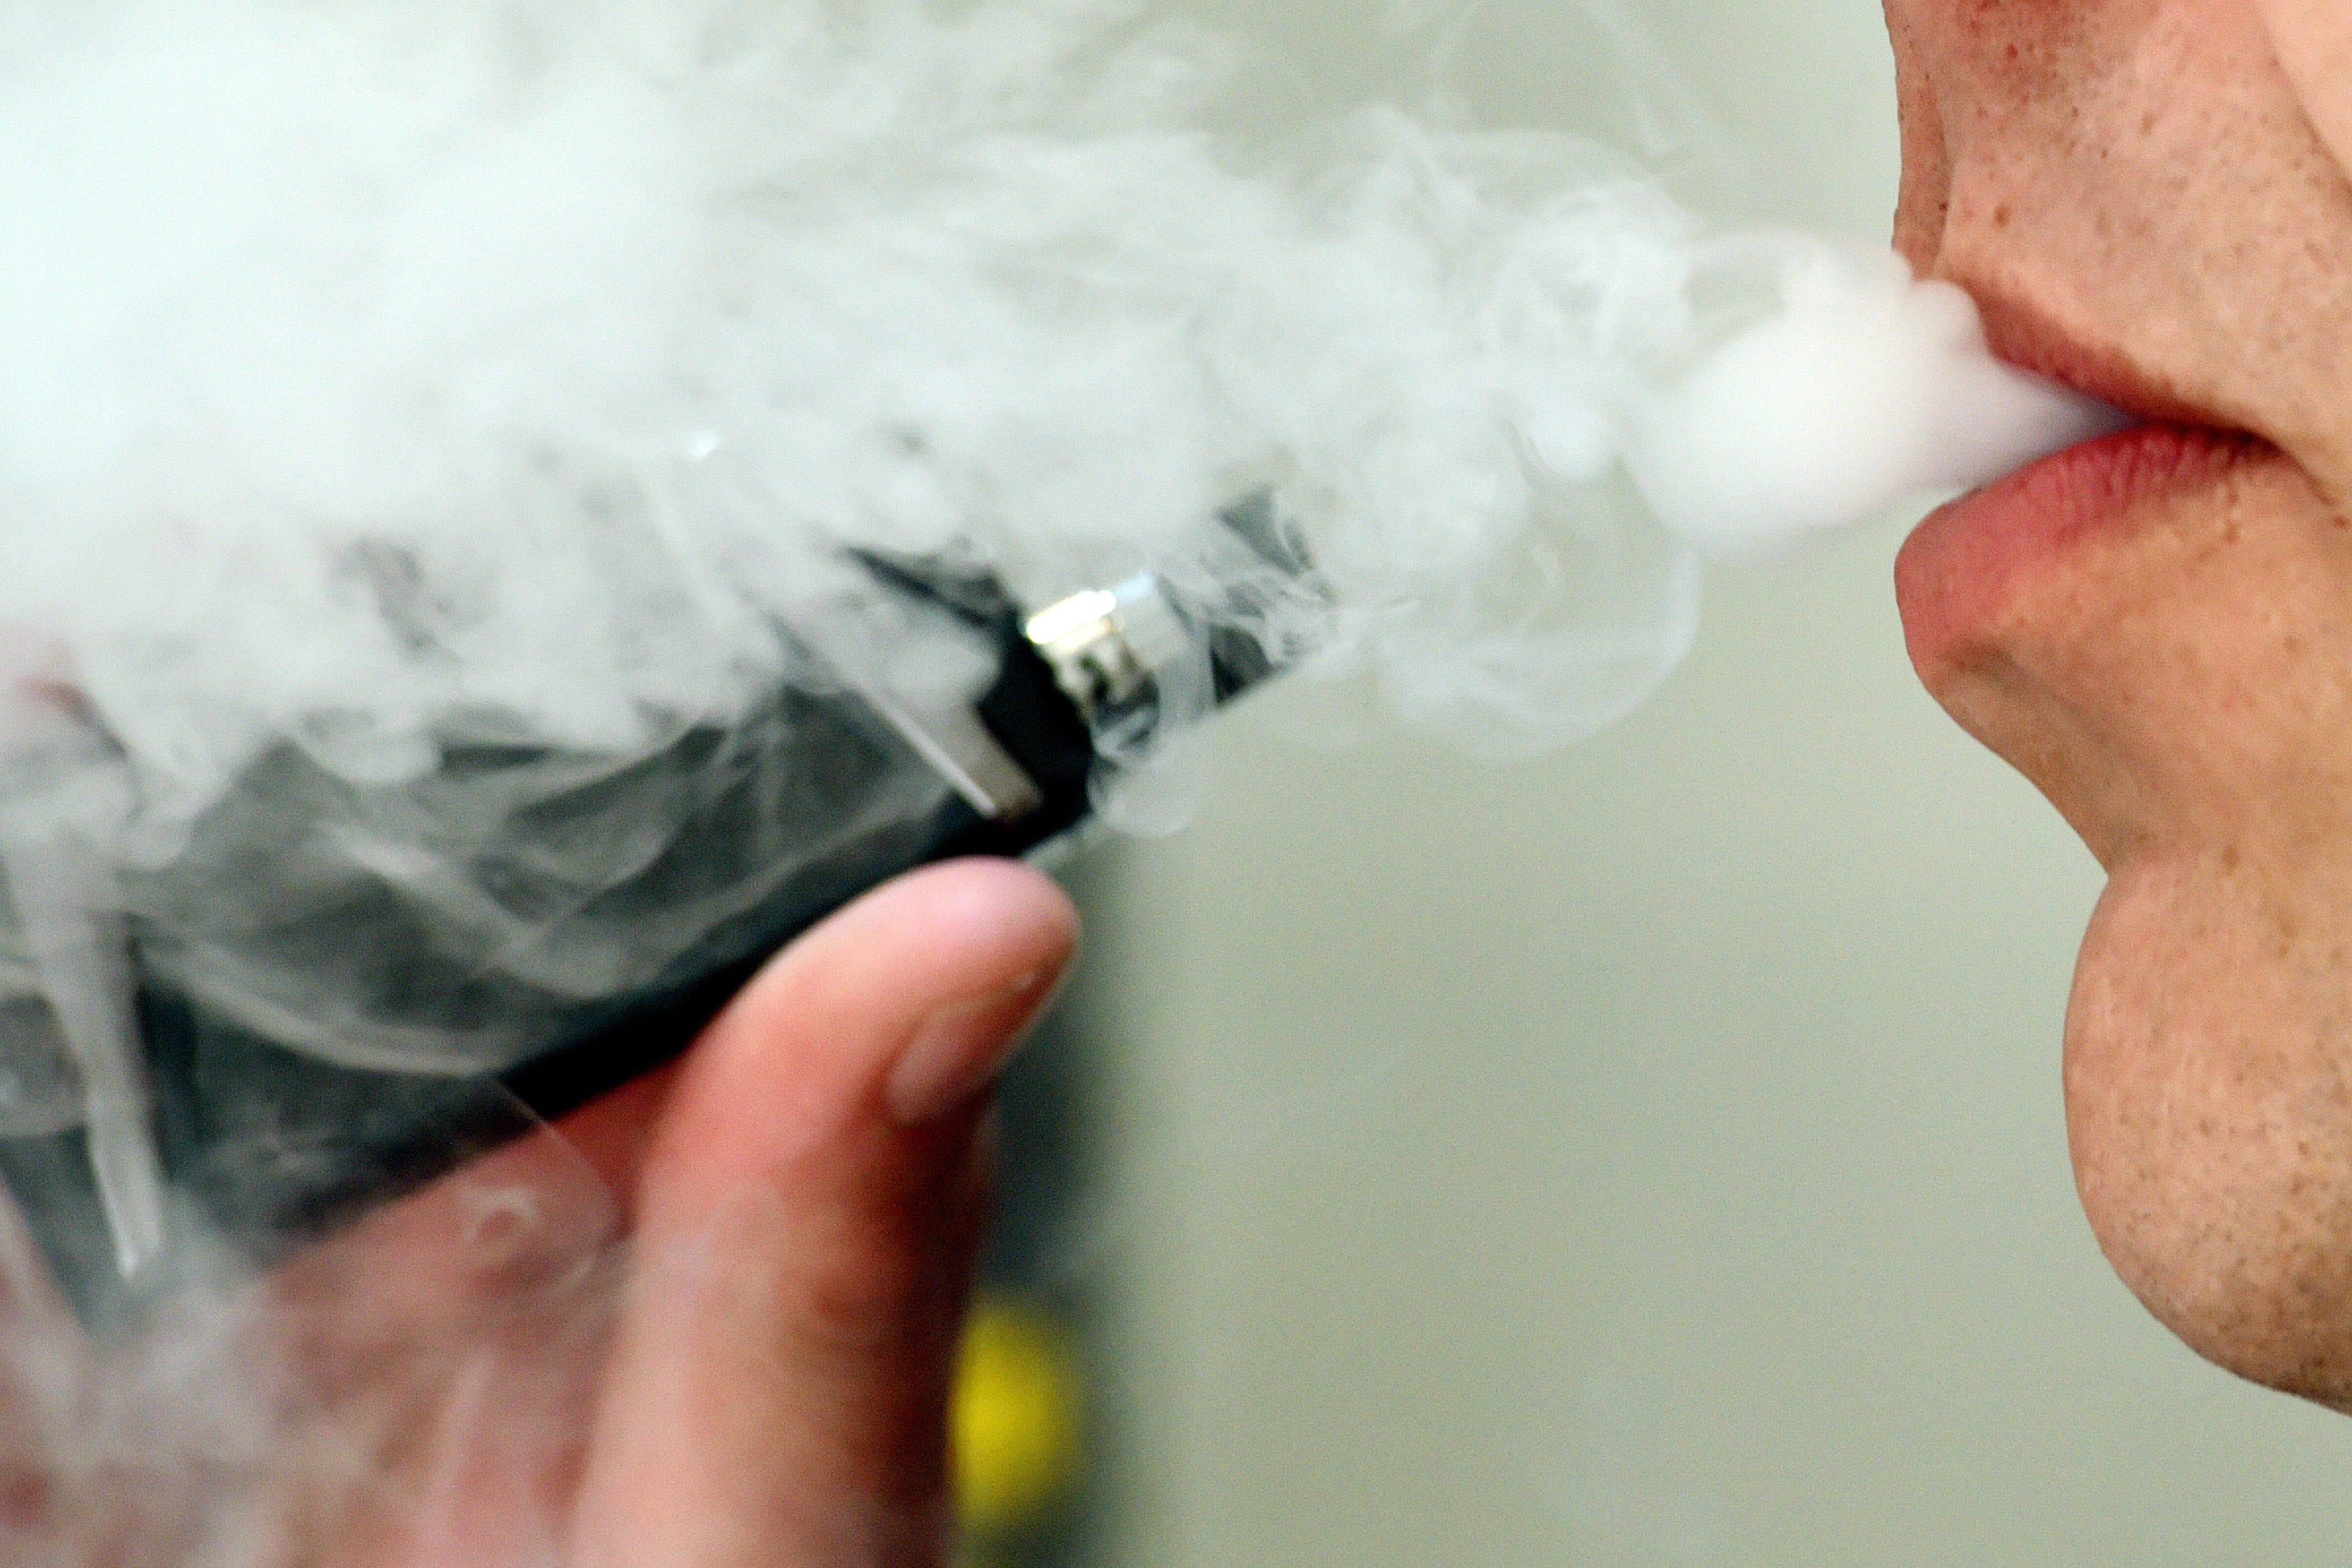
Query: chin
{"type": "Point", "coordinates": [2208, 1110]}
{"type": "Point", "coordinates": [2174, 674]}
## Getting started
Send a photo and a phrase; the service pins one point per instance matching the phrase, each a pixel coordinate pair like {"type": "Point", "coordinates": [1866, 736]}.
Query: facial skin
{"type": "Point", "coordinates": [2149, 197]}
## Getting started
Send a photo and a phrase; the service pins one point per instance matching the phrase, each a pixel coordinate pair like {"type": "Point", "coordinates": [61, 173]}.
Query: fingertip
{"type": "Point", "coordinates": [810, 1052]}
{"type": "Point", "coordinates": [808, 1224]}
{"type": "Point", "coordinates": [947, 933]}
{"type": "Point", "coordinates": [1003, 908]}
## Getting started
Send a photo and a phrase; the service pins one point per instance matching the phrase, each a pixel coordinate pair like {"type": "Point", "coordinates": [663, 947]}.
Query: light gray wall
{"type": "Point", "coordinates": [1651, 1155]}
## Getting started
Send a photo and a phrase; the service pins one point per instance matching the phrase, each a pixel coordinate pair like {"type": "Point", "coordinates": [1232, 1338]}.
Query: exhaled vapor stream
{"type": "Point", "coordinates": [445, 448]}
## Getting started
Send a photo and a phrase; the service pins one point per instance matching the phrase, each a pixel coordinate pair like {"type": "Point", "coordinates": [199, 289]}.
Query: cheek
{"type": "Point", "coordinates": [2313, 41]}
{"type": "Point", "coordinates": [2207, 1108]}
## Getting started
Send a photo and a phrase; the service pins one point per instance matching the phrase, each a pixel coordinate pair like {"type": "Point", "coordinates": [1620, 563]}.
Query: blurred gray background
{"type": "Point", "coordinates": [1653, 1155]}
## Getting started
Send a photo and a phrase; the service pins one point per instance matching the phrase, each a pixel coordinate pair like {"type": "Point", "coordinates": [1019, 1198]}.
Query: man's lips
{"type": "Point", "coordinates": [2022, 334]}
{"type": "Point", "coordinates": [1957, 569]}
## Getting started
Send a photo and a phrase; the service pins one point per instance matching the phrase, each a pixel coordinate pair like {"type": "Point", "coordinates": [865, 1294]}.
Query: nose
{"type": "Point", "coordinates": [1926, 197]}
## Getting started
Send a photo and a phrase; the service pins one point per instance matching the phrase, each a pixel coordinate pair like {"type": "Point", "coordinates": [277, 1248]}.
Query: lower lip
{"type": "Point", "coordinates": [1957, 567]}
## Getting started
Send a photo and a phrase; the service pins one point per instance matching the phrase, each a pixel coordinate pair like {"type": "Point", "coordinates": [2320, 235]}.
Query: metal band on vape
{"type": "Point", "coordinates": [1109, 649]}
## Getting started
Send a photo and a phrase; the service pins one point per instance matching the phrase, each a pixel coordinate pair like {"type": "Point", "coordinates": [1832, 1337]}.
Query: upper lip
{"type": "Point", "coordinates": [2026, 336]}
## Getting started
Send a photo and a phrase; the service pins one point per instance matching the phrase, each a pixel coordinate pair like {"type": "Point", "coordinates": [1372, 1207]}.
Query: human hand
{"type": "Point", "coordinates": [745, 1361]}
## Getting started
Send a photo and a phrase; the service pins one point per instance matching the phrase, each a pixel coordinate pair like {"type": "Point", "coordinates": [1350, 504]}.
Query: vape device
{"type": "Point", "coordinates": [338, 994]}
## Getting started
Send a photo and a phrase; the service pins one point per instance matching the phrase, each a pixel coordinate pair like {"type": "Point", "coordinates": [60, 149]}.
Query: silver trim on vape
{"type": "Point", "coordinates": [954, 740]}
{"type": "Point", "coordinates": [1109, 649]}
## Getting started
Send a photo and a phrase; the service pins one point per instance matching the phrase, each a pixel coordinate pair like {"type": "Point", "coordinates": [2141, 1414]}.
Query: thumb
{"type": "Point", "coordinates": [807, 1214]}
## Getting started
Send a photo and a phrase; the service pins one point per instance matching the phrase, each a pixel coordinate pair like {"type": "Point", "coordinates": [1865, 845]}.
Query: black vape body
{"type": "Point", "coordinates": [312, 1045]}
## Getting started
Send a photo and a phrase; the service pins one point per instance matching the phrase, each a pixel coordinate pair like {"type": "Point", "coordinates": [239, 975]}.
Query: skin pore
{"type": "Point", "coordinates": [2149, 198]}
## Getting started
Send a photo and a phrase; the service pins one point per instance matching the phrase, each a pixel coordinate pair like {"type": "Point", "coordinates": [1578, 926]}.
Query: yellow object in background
{"type": "Point", "coordinates": [1016, 1418]}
